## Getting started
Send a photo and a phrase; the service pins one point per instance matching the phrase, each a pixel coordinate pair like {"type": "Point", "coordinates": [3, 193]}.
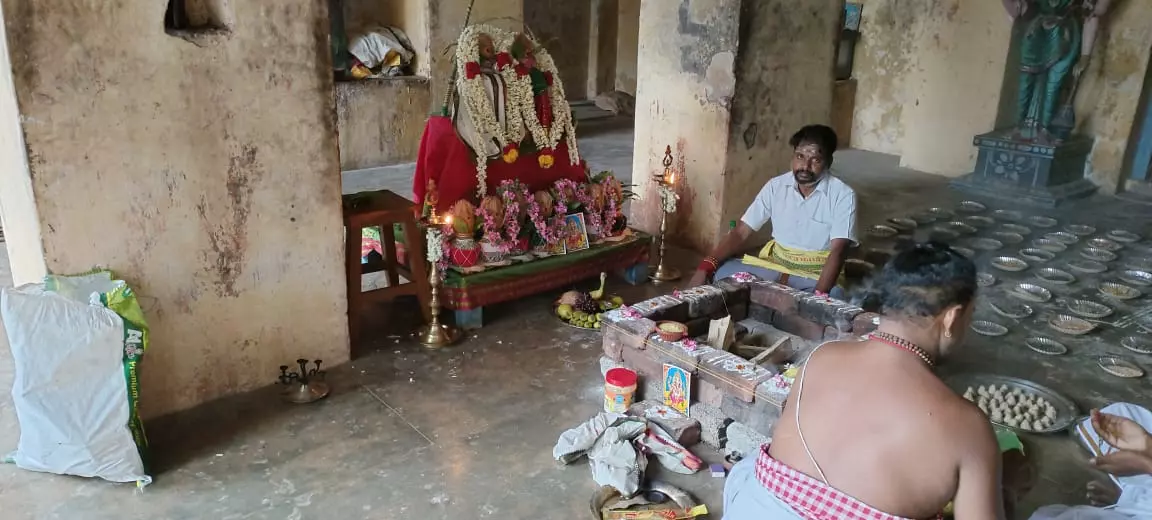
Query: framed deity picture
{"type": "Point", "coordinates": [677, 388]}
{"type": "Point", "coordinates": [575, 233]}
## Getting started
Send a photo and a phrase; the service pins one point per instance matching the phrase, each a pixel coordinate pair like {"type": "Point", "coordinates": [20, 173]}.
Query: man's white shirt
{"type": "Point", "coordinates": [808, 224]}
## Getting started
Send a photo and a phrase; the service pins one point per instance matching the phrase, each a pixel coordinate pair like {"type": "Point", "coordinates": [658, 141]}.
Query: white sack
{"type": "Point", "coordinates": [70, 392]}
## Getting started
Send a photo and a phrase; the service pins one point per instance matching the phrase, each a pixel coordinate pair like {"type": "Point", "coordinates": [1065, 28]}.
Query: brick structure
{"type": "Point", "coordinates": [865, 322]}
{"type": "Point", "coordinates": [685, 430]}
{"type": "Point", "coordinates": [729, 392]}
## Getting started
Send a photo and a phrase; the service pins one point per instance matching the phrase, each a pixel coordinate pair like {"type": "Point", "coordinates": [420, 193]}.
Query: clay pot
{"type": "Point", "coordinates": [465, 252]}
{"type": "Point", "coordinates": [671, 331]}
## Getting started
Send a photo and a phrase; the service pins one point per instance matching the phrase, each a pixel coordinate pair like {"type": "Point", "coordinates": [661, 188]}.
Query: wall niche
{"type": "Point", "coordinates": [198, 21]}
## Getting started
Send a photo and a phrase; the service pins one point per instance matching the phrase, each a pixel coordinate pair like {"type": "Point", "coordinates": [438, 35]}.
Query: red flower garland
{"type": "Point", "coordinates": [503, 59]}
{"type": "Point", "coordinates": [471, 69]}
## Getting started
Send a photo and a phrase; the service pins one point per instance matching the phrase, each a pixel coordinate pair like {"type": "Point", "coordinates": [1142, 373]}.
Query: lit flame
{"type": "Point", "coordinates": [671, 178]}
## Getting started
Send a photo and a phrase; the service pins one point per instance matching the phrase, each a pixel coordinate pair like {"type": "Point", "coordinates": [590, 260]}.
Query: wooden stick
{"type": "Point", "coordinates": [768, 352]}
{"type": "Point", "coordinates": [452, 76]}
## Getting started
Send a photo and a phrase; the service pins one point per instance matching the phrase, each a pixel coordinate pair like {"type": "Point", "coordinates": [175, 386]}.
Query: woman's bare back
{"type": "Point", "coordinates": [882, 428]}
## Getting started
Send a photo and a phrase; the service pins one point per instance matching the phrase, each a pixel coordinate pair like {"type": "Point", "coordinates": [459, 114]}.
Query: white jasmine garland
{"type": "Point", "coordinates": [668, 198]}
{"type": "Point", "coordinates": [472, 91]}
{"type": "Point", "coordinates": [514, 130]}
{"type": "Point", "coordinates": [474, 96]}
{"type": "Point", "coordinates": [561, 111]}
{"type": "Point", "coordinates": [435, 251]}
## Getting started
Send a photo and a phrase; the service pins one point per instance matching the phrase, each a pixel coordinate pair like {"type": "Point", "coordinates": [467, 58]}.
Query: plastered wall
{"type": "Point", "coordinates": [931, 74]}
{"type": "Point", "coordinates": [205, 174]}
{"type": "Point", "coordinates": [722, 87]}
{"type": "Point", "coordinates": [381, 121]}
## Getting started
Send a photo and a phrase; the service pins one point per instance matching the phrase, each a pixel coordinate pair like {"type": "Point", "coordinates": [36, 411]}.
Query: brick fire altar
{"type": "Point", "coordinates": [735, 401]}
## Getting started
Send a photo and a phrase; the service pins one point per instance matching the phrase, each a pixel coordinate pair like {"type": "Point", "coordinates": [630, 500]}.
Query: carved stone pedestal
{"type": "Point", "coordinates": [1028, 173]}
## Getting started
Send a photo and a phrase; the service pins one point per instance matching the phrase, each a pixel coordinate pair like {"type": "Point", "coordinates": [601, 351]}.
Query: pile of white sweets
{"type": "Point", "coordinates": [1015, 408]}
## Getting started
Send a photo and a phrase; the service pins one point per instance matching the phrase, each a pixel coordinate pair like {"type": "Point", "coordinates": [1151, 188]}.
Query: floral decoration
{"type": "Point", "coordinates": [629, 313]}
{"type": "Point", "coordinates": [668, 198]}
{"type": "Point", "coordinates": [546, 218]}
{"type": "Point", "coordinates": [744, 277]}
{"type": "Point", "coordinates": [436, 248]}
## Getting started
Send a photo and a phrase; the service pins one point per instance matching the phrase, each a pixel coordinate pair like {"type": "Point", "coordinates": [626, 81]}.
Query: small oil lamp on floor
{"type": "Point", "coordinates": [305, 386]}
{"type": "Point", "coordinates": [436, 335]}
{"type": "Point", "coordinates": [666, 185]}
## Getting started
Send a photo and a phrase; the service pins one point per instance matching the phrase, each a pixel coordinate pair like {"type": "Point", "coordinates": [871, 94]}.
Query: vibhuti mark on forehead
{"type": "Point", "coordinates": [809, 149]}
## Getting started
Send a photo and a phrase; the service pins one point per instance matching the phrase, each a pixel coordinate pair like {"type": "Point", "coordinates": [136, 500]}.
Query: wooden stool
{"type": "Point", "coordinates": [384, 209]}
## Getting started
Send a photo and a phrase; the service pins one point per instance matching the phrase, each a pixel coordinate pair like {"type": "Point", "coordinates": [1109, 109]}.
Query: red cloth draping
{"type": "Point", "coordinates": [445, 159]}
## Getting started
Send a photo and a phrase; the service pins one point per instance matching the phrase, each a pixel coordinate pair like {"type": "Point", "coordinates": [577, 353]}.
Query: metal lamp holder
{"type": "Point", "coordinates": [660, 272]}
{"type": "Point", "coordinates": [305, 386]}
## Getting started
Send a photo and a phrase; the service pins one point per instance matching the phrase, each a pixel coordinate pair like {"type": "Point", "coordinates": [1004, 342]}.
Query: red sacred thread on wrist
{"type": "Point", "coordinates": [708, 265]}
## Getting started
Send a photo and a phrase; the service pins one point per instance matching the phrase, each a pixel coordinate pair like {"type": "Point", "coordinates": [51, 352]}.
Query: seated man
{"type": "Point", "coordinates": [869, 430]}
{"type": "Point", "coordinates": [813, 217]}
{"type": "Point", "coordinates": [1119, 439]}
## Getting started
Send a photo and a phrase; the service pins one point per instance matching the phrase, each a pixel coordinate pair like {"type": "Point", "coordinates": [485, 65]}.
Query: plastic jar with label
{"type": "Point", "coordinates": [619, 390]}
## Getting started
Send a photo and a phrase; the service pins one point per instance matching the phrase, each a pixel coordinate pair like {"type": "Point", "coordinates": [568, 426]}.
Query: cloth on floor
{"type": "Point", "coordinates": [618, 446]}
{"type": "Point", "coordinates": [1135, 491]}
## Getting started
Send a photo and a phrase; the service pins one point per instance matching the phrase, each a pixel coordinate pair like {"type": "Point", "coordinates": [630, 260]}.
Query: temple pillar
{"type": "Point", "coordinates": [726, 91]}
{"type": "Point", "coordinates": [563, 27]}
{"type": "Point", "coordinates": [627, 44]}
{"type": "Point", "coordinates": [602, 39]}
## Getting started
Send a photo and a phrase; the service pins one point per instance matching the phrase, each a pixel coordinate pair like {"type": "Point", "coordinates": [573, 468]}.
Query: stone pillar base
{"type": "Point", "coordinates": [1047, 197]}
{"type": "Point", "coordinates": [1030, 173]}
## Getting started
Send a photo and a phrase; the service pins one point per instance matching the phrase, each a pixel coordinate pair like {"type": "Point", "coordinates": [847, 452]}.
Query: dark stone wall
{"type": "Point", "coordinates": [562, 26]}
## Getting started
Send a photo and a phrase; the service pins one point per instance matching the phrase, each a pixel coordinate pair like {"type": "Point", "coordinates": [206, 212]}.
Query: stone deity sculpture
{"type": "Point", "coordinates": [1055, 49]}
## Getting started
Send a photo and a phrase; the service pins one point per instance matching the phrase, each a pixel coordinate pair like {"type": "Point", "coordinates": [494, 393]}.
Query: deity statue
{"type": "Point", "coordinates": [1055, 49]}
{"type": "Point", "coordinates": [510, 95]}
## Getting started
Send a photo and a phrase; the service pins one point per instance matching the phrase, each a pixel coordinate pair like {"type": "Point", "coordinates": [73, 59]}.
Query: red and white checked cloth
{"type": "Point", "coordinates": [811, 498]}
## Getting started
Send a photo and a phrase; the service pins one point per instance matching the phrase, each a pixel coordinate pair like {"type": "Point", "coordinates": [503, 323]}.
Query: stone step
{"type": "Point", "coordinates": [585, 110]}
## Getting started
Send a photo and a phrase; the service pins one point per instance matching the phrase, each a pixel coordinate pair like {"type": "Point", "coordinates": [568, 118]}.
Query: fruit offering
{"type": "Point", "coordinates": [585, 312]}
{"type": "Point", "coordinates": [584, 309]}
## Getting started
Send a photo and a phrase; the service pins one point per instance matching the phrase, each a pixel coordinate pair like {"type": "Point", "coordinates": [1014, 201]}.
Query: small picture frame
{"type": "Point", "coordinates": [677, 388]}
{"type": "Point", "coordinates": [575, 233]}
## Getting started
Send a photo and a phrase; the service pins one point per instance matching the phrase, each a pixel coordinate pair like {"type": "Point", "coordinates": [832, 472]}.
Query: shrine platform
{"type": "Point", "coordinates": [468, 293]}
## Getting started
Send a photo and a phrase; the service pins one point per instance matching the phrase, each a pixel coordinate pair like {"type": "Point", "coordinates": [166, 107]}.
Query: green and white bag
{"type": "Point", "coordinates": [76, 342]}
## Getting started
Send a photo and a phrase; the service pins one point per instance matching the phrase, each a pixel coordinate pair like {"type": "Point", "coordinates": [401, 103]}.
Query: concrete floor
{"type": "Point", "coordinates": [467, 432]}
